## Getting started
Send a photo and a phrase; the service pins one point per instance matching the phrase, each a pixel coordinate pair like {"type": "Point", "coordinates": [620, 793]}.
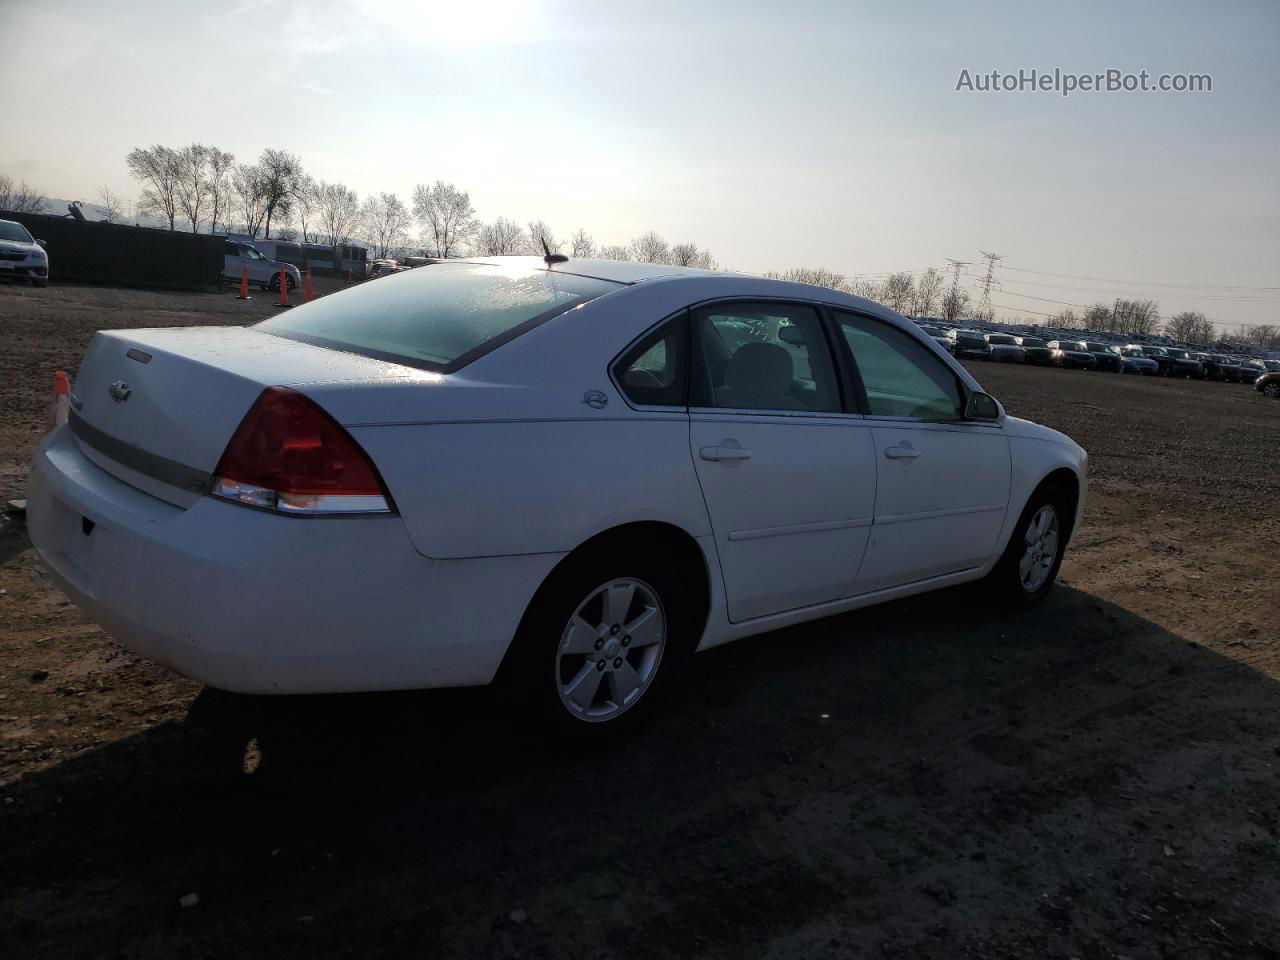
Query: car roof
{"type": "Point", "coordinates": [617, 271]}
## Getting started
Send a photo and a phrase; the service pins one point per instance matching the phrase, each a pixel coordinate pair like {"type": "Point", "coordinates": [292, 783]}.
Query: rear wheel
{"type": "Point", "coordinates": [1029, 566]}
{"type": "Point", "coordinates": [600, 644]}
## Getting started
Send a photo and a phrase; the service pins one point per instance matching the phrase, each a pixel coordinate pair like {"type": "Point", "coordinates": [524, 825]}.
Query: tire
{"type": "Point", "coordinates": [275, 283]}
{"type": "Point", "coordinates": [1024, 586]}
{"type": "Point", "coordinates": [39, 281]}
{"type": "Point", "coordinates": [1271, 390]}
{"type": "Point", "coordinates": [568, 663]}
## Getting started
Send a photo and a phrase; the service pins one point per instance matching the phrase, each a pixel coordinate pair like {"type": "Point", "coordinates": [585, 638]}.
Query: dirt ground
{"type": "Point", "coordinates": [1096, 778]}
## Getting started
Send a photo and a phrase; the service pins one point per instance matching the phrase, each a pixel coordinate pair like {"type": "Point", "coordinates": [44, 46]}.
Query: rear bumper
{"type": "Point", "coordinates": [254, 603]}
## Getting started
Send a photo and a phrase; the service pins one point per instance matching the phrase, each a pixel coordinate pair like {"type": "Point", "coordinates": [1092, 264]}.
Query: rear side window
{"type": "Point", "coordinates": [438, 317]}
{"type": "Point", "coordinates": [654, 372]}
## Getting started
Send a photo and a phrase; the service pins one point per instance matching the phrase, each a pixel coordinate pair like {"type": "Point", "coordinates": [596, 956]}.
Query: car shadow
{"type": "Point", "coordinates": [927, 778]}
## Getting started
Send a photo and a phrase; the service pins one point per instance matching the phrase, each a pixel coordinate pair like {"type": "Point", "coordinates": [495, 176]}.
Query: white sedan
{"type": "Point", "coordinates": [564, 477]}
{"type": "Point", "coordinates": [21, 255]}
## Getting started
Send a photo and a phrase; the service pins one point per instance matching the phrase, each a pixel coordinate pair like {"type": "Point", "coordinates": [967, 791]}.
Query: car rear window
{"type": "Point", "coordinates": [438, 317]}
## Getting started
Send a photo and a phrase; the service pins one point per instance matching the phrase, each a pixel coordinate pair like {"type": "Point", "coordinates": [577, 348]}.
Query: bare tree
{"type": "Point", "coordinates": [540, 233]}
{"type": "Point", "coordinates": [1186, 325]}
{"type": "Point", "coordinates": [385, 221]}
{"type": "Point", "coordinates": [955, 305]}
{"type": "Point", "coordinates": [305, 204]}
{"type": "Point", "coordinates": [867, 288]}
{"type": "Point", "coordinates": [1132, 316]}
{"type": "Point", "coordinates": [898, 291]}
{"type": "Point", "coordinates": [20, 196]}
{"type": "Point", "coordinates": [1066, 319]}
{"type": "Point", "coordinates": [581, 244]}
{"type": "Point", "coordinates": [337, 210]}
{"type": "Point", "coordinates": [218, 167]}
{"type": "Point", "coordinates": [615, 252]}
{"type": "Point", "coordinates": [112, 206]}
{"type": "Point", "coordinates": [447, 217]}
{"type": "Point", "coordinates": [192, 185]}
{"type": "Point", "coordinates": [928, 293]}
{"type": "Point", "coordinates": [815, 276]}
{"type": "Point", "coordinates": [649, 247]}
{"type": "Point", "coordinates": [280, 172]}
{"type": "Point", "coordinates": [691, 255]}
{"type": "Point", "coordinates": [1098, 318]}
{"type": "Point", "coordinates": [250, 202]}
{"type": "Point", "coordinates": [502, 238]}
{"type": "Point", "coordinates": [1264, 335]}
{"type": "Point", "coordinates": [159, 170]}
{"type": "Point", "coordinates": [287, 233]}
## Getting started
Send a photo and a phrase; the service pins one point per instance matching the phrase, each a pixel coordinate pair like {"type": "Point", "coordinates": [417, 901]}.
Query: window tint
{"type": "Point", "coordinates": [901, 376]}
{"type": "Point", "coordinates": [763, 356]}
{"type": "Point", "coordinates": [655, 371]}
{"type": "Point", "coordinates": [438, 317]}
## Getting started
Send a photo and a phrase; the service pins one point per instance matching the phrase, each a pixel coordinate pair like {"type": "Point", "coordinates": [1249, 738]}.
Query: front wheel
{"type": "Point", "coordinates": [1029, 566]}
{"type": "Point", "coordinates": [1271, 390]}
{"type": "Point", "coordinates": [600, 645]}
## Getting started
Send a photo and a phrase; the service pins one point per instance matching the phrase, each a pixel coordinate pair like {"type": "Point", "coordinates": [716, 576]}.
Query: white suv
{"type": "Point", "coordinates": [21, 255]}
{"type": "Point", "coordinates": [263, 272]}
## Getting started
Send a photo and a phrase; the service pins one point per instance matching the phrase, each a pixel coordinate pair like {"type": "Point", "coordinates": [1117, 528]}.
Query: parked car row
{"type": "Point", "coordinates": [1136, 358]}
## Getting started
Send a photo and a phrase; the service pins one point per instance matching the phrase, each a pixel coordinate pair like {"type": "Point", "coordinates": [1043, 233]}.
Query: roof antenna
{"type": "Point", "coordinates": [549, 258]}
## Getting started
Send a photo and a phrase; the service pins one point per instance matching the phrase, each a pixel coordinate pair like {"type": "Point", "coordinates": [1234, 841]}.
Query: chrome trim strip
{"type": "Point", "coordinates": [815, 527]}
{"type": "Point", "coordinates": [935, 514]}
{"type": "Point", "coordinates": [135, 458]}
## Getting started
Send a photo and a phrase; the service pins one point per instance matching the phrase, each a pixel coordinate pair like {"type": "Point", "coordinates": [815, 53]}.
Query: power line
{"type": "Point", "coordinates": [1143, 283]}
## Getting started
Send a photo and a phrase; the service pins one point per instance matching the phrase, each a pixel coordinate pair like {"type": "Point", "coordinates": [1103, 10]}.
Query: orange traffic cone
{"type": "Point", "coordinates": [244, 283]}
{"type": "Point", "coordinates": [306, 287]}
{"type": "Point", "coordinates": [60, 402]}
{"type": "Point", "coordinates": [284, 291]}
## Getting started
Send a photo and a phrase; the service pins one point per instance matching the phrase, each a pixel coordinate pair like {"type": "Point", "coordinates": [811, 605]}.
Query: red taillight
{"type": "Point", "coordinates": [291, 456]}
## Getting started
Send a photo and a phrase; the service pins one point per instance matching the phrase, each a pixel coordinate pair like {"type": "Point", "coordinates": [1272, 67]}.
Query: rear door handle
{"type": "Point", "coordinates": [724, 453]}
{"type": "Point", "coordinates": [902, 452]}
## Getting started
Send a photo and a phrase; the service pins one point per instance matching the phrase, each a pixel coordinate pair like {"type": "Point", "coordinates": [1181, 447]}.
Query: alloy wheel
{"type": "Point", "coordinates": [610, 650]}
{"type": "Point", "coordinates": [1041, 542]}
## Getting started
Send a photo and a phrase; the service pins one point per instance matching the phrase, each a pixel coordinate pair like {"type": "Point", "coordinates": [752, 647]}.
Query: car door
{"type": "Point", "coordinates": [942, 481]}
{"type": "Point", "coordinates": [231, 261]}
{"type": "Point", "coordinates": [788, 475]}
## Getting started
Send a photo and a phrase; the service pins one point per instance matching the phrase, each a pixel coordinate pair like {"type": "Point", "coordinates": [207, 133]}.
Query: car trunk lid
{"type": "Point", "coordinates": [156, 407]}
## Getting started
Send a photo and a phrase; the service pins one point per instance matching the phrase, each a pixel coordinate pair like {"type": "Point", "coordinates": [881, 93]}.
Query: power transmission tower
{"type": "Point", "coordinates": [956, 267]}
{"type": "Point", "coordinates": [991, 259]}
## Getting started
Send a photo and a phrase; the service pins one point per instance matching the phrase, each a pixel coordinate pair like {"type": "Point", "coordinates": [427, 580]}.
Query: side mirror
{"type": "Point", "coordinates": [980, 406]}
{"type": "Point", "coordinates": [42, 244]}
{"type": "Point", "coordinates": [792, 334]}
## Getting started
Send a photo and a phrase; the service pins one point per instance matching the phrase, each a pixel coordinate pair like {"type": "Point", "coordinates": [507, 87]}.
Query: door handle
{"type": "Point", "coordinates": [724, 453]}
{"type": "Point", "coordinates": [903, 452]}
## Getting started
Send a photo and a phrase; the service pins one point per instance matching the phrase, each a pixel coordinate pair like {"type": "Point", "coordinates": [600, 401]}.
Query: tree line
{"type": "Point", "coordinates": [930, 296]}
{"type": "Point", "coordinates": [199, 187]}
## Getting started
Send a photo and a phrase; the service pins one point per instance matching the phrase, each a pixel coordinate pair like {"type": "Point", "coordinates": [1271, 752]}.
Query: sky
{"type": "Point", "coordinates": [776, 135]}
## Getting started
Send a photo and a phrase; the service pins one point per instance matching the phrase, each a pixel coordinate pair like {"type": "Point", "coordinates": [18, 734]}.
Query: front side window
{"type": "Point", "coordinates": [901, 376]}
{"type": "Point", "coordinates": [655, 371]}
{"type": "Point", "coordinates": [251, 253]}
{"type": "Point", "coordinates": [439, 317]}
{"type": "Point", "coordinates": [763, 356]}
